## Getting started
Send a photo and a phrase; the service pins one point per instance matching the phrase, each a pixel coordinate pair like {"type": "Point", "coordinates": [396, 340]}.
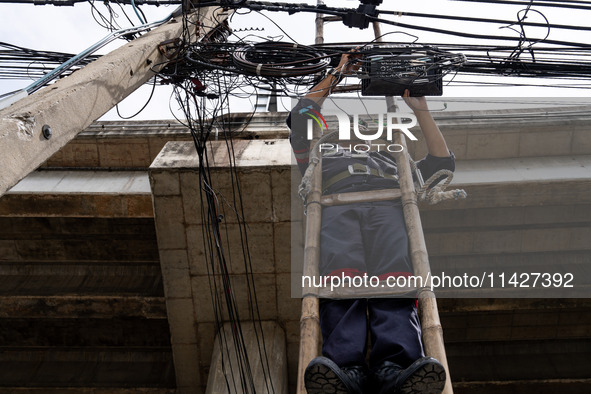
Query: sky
{"type": "Point", "coordinates": [72, 29]}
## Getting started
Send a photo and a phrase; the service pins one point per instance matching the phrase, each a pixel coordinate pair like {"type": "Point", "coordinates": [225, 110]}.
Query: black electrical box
{"type": "Point", "coordinates": [388, 71]}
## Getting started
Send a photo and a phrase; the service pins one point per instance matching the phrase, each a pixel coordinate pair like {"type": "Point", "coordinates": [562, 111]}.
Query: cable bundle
{"type": "Point", "coordinates": [280, 59]}
{"type": "Point", "coordinates": [24, 63]}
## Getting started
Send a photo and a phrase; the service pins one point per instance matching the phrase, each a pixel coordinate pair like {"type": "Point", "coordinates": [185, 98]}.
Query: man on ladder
{"type": "Point", "coordinates": [367, 238]}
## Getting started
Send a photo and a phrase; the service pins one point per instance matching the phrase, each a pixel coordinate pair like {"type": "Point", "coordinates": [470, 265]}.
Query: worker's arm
{"type": "Point", "coordinates": [347, 65]}
{"type": "Point", "coordinates": [314, 99]}
{"type": "Point", "coordinates": [439, 157]}
{"type": "Point", "coordinates": [435, 141]}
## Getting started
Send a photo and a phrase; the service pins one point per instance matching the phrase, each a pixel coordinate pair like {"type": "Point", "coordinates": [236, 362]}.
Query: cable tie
{"type": "Point", "coordinates": [259, 66]}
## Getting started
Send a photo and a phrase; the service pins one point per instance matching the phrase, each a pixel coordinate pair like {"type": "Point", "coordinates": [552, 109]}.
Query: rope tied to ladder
{"type": "Point", "coordinates": [306, 184]}
{"type": "Point", "coordinates": [436, 193]}
{"type": "Point", "coordinates": [426, 192]}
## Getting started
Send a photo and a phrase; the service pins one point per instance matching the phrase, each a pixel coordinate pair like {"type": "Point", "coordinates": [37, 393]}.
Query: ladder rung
{"type": "Point", "coordinates": [350, 198]}
{"type": "Point", "coordinates": [367, 292]}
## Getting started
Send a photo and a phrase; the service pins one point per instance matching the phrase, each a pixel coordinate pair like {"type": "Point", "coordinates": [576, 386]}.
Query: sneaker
{"type": "Point", "coordinates": [424, 376]}
{"type": "Point", "coordinates": [324, 376]}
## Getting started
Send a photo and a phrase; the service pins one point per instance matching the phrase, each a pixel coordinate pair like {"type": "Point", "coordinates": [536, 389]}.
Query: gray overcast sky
{"type": "Point", "coordinates": [73, 29]}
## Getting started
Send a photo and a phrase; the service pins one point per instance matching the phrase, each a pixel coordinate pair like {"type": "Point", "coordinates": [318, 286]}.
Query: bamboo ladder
{"type": "Point", "coordinates": [428, 312]}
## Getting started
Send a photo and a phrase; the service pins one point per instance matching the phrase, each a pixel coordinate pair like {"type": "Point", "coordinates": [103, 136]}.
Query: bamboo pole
{"type": "Point", "coordinates": [309, 319]}
{"type": "Point", "coordinates": [428, 312]}
{"type": "Point", "coordinates": [319, 25]}
{"type": "Point", "coordinates": [354, 197]}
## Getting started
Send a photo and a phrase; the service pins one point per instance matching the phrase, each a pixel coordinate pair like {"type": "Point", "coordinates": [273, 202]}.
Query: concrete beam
{"type": "Point", "coordinates": [87, 390]}
{"type": "Point", "coordinates": [73, 103]}
{"type": "Point", "coordinates": [84, 367]}
{"type": "Point", "coordinates": [80, 277]}
{"type": "Point", "coordinates": [92, 307]}
{"type": "Point", "coordinates": [80, 194]}
{"type": "Point", "coordinates": [539, 386]}
{"type": "Point", "coordinates": [509, 360]}
{"type": "Point", "coordinates": [470, 305]}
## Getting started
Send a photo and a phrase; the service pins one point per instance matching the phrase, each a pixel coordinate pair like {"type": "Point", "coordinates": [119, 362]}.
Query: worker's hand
{"type": "Point", "coordinates": [417, 104]}
{"type": "Point", "coordinates": [350, 62]}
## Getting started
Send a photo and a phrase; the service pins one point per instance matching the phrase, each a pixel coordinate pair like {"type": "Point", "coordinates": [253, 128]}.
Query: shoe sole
{"type": "Point", "coordinates": [428, 379]}
{"type": "Point", "coordinates": [322, 380]}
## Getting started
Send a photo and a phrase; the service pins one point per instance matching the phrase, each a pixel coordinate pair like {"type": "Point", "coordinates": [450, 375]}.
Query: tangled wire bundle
{"type": "Point", "coordinates": [280, 59]}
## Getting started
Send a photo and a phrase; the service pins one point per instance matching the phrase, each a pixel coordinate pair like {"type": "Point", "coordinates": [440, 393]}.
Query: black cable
{"type": "Point", "coordinates": [486, 20]}
{"type": "Point", "coordinates": [18, 62]}
{"type": "Point", "coordinates": [255, 311]}
{"type": "Point", "coordinates": [538, 3]}
{"type": "Point", "coordinates": [124, 13]}
{"type": "Point", "coordinates": [500, 60]}
{"type": "Point", "coordinates": [143, 107]}
{"type": "Point", "coordinates": [277, 25]}
{"type": "Point", "coordinates": [279, 59]}
{"type": "Point", "coordinates": [217, 84]}
{"type": "Point", "coordinates": [471, 35]}
{"type": "Point", "coordinates": [141, 12]}
{"type": "Point", "coordinates": [105, 23]}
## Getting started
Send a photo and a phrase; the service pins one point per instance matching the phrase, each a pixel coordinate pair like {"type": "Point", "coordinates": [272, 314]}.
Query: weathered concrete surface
{"type": "Point", "coordinates": [177, 209]}
{"type": "Point", "coordinates": [86, 182]}
{"type": "Point", "coordinates": [73, 103]}
{"type": "Point", "coordinates": [81, 305]}
{"type": "Point", "coordinates": [89, 306]}
{"type": "Point", "coordinates": [247, 153]}
{"type": "Point", "coordinates": [268, 364]}
{"type": "Point", "coordinates": [125, 145]}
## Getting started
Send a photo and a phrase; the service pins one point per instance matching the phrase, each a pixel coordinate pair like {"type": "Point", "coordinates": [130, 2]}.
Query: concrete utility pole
{"type": "Point", "coordinates": [35, 127]}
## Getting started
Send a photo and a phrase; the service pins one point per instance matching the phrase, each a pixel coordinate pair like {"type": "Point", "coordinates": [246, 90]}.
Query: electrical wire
{"type": "Point", "coordinates": [143, 107]}
{"type": "Point", "coordinates": [582, 5]}
{"type": "Point", "coordinates": [143, 20]}
{"type": "Point", "coordinates": [18, 62]}
{"type": "Point", "coordinates": [202, 93]}
{"type": "Point", "coordinates": [250, 60]}
{"type": "Point", "coordinates": [279, 59]}
{"type": "Point", "coordinates": [84, 54]}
